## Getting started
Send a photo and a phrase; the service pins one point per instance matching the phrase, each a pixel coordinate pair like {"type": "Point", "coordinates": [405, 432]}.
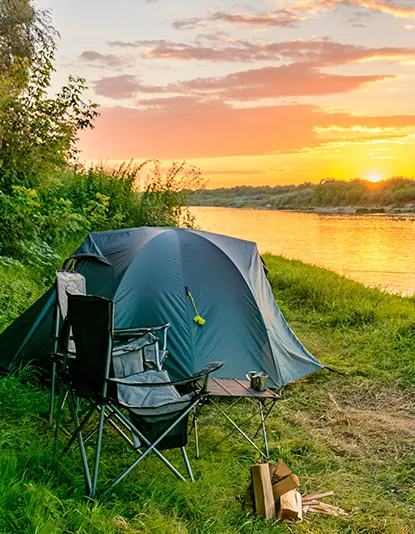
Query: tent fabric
{"type": "Point", "coordinates": [147, 272]}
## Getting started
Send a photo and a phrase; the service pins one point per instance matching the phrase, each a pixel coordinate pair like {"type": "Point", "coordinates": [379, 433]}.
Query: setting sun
{"type": "Point", "coordinates": [375, 178]}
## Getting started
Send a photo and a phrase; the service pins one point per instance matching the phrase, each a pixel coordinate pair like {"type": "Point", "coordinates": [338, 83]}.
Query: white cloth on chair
{"type": "Point", "coordinates": [68, 282]}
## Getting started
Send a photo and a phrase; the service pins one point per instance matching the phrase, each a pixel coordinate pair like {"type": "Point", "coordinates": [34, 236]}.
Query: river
{"type": "Point", "coordinates": [374, 249]}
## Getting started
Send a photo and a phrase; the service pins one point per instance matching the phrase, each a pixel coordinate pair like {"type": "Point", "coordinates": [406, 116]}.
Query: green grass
{"type": "Point", "coordinates": [353, 433]}
{"type": "Point", "coordinates": [18, 289]}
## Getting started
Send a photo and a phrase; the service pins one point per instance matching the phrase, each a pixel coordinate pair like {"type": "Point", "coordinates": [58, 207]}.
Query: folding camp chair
{"type": "Point", "coordinates": [157, 412]}
{"type": "Point", "coordinates": [141, 344]}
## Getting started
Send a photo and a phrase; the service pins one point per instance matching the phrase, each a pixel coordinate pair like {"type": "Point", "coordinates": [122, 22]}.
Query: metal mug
{"type": "Point", "coordinates": [259, 382]}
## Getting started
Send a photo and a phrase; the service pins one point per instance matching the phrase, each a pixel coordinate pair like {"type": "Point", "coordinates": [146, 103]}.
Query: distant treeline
{"type": "Point", "coordinates": [397, 192]}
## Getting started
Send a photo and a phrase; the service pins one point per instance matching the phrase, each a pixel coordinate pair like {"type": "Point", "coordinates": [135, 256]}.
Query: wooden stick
{"type": "Point", "coordinates": [317, 510]}
{"type": "Point", "coordinates": [315, 496]}
{"type": "Point", "coordinates": [310, 503]}
{"type": "Point", "coordinates": [299, 505]}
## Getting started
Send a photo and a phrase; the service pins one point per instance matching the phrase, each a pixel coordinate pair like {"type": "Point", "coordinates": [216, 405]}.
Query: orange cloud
{"type": "Point", "coordinates": [271, 82]}
{"type": "Point", "coordinates": [123, 86]}
{"type": "Point", "coordinates": [281, 18]}
{"type": "Point", "coordinates": [390, 7]}
{"type": "Point", "coordinates": [387, 6]}
{"type": "Point", "coordinates": [205, 131]}
{"type": "Point", "coordinates": [298, 11]}
{"type": "Point", "coordinates": [297, 79]}
{"type": "Point", "coordinates": [322, 51]}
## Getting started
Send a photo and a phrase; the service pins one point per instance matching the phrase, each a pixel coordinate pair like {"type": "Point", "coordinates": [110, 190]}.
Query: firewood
{"type": "Point", "coordinates": [264, 499]}
{"type": "Point", "coordinates": [325, 508]}
{"type": "Point", "coordinates": [317, 510]}
{"type": "Point", "coordinates": [322, 508]}
{"type": "Point", "coordinates": [288, 506]}
{"type": "Point", "coordinates": [286, 484]}
{"type": "Point", "coordinates": [315, 496]}
{"type": "Point", "coordinates": [335, 509]}
{"type": "Point", "coordinates": [272, 471]}
{"type": "Point", "coordinates": [299, 505]}
{"type": "Point", "coordinates": [282, 470]}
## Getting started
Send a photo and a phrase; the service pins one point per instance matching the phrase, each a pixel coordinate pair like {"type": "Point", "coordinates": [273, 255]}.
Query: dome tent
{"type": "Point", "coordinates": [159, 275]}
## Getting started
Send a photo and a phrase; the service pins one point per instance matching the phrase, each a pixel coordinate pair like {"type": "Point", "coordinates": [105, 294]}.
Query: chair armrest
{"type": "Point", "coordinates": [125, 332]}
{"type": "Point", "coordinates": [203, 373]}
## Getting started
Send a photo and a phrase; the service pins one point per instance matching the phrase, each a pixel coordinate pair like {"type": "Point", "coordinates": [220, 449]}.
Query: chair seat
{"type": "Point", "coordinates": [151, 401]}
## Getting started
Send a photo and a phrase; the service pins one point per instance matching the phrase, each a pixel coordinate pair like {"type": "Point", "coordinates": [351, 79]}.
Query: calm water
{"type": "Point", "coordinates": [376, 250]}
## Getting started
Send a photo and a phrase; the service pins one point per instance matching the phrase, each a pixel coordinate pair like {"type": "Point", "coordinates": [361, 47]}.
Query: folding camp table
{"type": "Point", "coordinates": [233, 387]}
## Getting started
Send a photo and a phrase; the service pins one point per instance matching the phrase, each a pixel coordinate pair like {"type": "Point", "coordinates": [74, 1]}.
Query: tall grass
{"type": "Point", "coordinates": [18, 289]}
{"type": "Point", "coordinates": [368, 332]}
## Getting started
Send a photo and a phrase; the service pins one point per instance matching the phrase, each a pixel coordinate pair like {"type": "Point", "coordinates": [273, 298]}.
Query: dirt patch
{"type": "Point", "coordinates": [366, 422]}
{"type": "Point", "coordinates": [402, 402]}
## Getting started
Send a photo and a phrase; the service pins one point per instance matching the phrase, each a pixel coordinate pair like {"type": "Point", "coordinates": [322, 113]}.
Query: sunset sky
{"type": "Point", "coordinates": [253, 92]}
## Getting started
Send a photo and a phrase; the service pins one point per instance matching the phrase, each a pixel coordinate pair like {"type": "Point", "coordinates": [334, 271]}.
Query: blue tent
{"type": "Point", "coordinates": [158, 275]}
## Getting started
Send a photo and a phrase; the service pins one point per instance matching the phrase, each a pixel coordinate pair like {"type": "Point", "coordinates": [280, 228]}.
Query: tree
{"type": "Point", "coordinates": [38, 133]}
{"type": "Point", "coordinates": [23, 31]}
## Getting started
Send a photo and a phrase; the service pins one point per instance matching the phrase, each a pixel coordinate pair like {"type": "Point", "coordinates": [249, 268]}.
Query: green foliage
{"type": "Point", "coordinates": [39, 132]}
{"type": "Point", "coordinates": [164, 201]}
{"type": "Point", "coordinates": [329, 193]}
{"type": "Point", "coordinates": [38, 135]}
{"type": "Point", "coordinates": [41, 222]}
{"type": "Point", "coordinates": [18, 289]}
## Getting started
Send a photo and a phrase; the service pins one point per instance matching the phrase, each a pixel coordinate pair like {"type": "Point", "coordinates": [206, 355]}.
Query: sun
{"type": "Point", "coordinates": [375, 177]}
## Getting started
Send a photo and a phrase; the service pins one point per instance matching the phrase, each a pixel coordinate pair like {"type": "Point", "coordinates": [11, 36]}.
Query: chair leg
{"type": "Point", "coordinates": [114, 426]}
{"type": "Point", "coordinates": [52, 393]}
{"type": "Point", "coordinates": [196, 432]}
{"type": "Point", "coordinates": [187, 463]}
{"type": "Point", "coordinates": [62, 397]}
{"type": "Point", "coordinates": [80, 428]}
{"type": "Point", "coordinates": [74, 413]}
{"type": "Point", "coordinates": [98, 451]}
{"type": "Point", "coordinates": [151, 447]}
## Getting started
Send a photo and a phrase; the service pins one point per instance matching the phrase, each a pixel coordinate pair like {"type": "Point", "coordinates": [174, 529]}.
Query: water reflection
{"type": "Point", "coordinates": [376, 250]}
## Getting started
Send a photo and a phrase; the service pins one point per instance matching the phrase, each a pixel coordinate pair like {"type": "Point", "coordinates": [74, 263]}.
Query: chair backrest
{"type": "Point", "coordinates": [92, 321]}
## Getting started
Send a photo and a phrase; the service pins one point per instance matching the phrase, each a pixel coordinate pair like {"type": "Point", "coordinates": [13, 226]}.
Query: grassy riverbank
{"type": "Point", "coordinates": [353, 433]}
